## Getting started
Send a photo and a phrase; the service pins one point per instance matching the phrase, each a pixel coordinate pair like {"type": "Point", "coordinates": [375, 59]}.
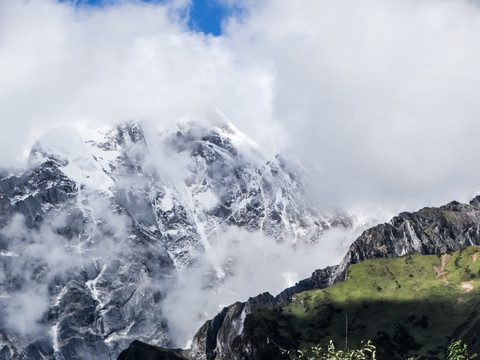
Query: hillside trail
{"type": "Point", "coordinates": [472, 323]}
{"type": "Point", "coordinates": [440, 271]}
{"type": "Point", "coordinates": [467, 286]}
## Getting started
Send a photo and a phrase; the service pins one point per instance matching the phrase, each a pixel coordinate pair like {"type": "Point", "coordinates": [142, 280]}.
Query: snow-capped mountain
{"type": "Point", "coordinates": [96, 232]}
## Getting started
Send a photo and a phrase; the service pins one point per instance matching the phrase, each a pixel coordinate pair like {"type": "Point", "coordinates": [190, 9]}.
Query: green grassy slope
{"type": "Point", "coordinates": [411, 305]}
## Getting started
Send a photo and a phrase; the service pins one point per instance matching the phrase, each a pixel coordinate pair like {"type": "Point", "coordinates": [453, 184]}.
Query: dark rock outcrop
{"type": "Point", "coordinates": [141, 351]}
{"type": "Point", "coordinates": [427, 231]}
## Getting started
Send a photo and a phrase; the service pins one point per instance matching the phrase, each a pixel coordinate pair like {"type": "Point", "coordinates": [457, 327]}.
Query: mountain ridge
{"type": "Point", "coordinates": [428, 231]}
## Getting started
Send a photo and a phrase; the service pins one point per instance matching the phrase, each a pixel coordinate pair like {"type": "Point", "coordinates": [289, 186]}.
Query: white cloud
{"type": "Point", "coordinates": [62, 65]}
{"type": "Point", "coordinates": [240, 264]}
{"type": "Point", "coordinates": [380, 96]}
{"type": "Point", "coordinates": [25, 309]}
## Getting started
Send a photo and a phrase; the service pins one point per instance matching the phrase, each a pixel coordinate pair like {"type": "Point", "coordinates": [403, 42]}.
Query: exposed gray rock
{"type": "Point", "coordinates": [39, 350]}
{"type": "Point", "coordinates": [33, 193]}
{"type": "Point", "coordinates": [427, 231]}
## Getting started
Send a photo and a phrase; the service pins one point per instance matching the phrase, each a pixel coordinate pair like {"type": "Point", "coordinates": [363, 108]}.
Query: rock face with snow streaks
{"type": "Point", "coordinates": [93, 233]}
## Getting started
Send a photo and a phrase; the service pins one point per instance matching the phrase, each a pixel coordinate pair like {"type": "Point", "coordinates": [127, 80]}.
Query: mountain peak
{"type": "Point", "coordinates": [115, 224]}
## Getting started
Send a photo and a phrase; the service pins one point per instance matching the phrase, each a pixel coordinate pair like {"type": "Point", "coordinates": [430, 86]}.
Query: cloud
{"type": "Point", "coordinates": [30, 260]}
{"type": "Point", "coordinates": [35, 261]}
{"type": "Point", "coordinates": [240, 264]}
{"type": "Point", "coordinates": [25, 309]}
{"type": "Point", "coordinates": [62, 64]}
{"type": "Point", "coordinates": [378, 95]}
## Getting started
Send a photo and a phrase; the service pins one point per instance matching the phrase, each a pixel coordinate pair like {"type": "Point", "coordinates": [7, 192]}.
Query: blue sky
{"type": "Point", "coordinates": [205, 15]}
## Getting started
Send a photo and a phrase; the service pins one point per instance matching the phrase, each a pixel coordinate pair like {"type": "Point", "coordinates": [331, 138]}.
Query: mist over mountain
{"type": "Point", "coordinates": [101, 244]}
{"type": "Point", "coordinates": [264, 150]}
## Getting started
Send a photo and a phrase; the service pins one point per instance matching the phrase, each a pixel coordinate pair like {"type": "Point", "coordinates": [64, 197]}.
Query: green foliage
{"type": "Point", "coordinates": [407, 306]}
{"type": "Point", "coordinates": [458, 351]}
{"type": "Point", "coordinates": [364, 352]}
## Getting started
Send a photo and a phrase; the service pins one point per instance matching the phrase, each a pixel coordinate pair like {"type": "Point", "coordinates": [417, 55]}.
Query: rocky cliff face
{"type": "Point", "coordinates": [95, 231]}
{"type": "Point", "coordinates": [428, 231]}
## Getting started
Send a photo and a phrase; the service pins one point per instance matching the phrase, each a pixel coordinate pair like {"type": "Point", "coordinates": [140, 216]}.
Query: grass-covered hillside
{"type": "Point", "coordinates": [411, 305]}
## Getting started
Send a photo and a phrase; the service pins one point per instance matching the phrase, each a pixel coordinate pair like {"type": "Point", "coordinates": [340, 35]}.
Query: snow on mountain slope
{"type": "Point", "coordinates": [101, 237]}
